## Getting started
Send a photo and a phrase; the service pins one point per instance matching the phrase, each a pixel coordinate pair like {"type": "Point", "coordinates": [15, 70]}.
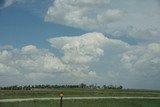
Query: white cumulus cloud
{"type": "Point", "coordinates": [149, 35]}
{"type": "Point", "coordinates": [113, 17]}
{"type": "Point", "coordinates": [80, 49]}
{"type": "Point", "coordinates": [90, 58]}
{"type": "Point", "coordinates": [89, 14]}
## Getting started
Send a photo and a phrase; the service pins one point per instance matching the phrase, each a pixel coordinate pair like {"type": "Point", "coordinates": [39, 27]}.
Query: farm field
{"type": "Point", "coordinates": [78, 92]}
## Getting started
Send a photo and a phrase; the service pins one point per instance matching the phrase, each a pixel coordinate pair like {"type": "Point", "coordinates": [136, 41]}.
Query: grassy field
{"type": "Point", "coordinates": [76, 92]}
{"type": "Point", "coordinates": [79, 93]}
{"type": "Point", "coordinates": [87, 103]}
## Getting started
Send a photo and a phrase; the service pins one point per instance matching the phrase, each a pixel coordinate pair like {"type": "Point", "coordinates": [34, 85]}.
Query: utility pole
{"type": "Point", "coordinates": [61, 100]}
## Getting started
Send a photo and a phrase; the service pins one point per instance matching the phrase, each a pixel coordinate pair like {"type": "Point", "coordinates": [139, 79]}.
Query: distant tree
{"type": "Point", "coordinates": [92, 86]}
{"type": "Point", "coordinates": [104, 86]}
{"type": "Point", "coordinates": [82, 85]}
{"type": "Point", "coordinates": [120, 87]}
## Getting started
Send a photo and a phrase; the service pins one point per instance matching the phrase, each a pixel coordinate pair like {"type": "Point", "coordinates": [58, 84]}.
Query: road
{"type": "Point", "coordinates": [73, 98]}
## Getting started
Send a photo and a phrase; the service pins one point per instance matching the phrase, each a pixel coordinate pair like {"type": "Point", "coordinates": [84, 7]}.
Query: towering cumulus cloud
{"type": "Point", "coordinates": [32, 63]}
{"type": "Point", "coordinates": [123, 46]}
{"type": "Point", "coordinates": [90, 57]}
{"type": "Point", "coordinates": [81, 49]}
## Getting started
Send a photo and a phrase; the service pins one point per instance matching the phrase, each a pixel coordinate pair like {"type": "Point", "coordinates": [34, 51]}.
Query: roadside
{"type": "Point", "coordinates": [73, 98]}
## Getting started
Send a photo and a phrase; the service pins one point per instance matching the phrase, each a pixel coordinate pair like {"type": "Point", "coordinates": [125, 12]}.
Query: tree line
{"type": "Point", "coordinates": [82, 85]}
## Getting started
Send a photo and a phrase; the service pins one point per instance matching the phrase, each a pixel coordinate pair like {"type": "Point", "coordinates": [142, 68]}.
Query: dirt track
{"type": "Point", "coordinates": [71, 98]}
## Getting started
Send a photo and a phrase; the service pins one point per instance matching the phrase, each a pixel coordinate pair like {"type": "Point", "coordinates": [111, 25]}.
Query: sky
{"type": "Point", "coordinates": [98, 42]}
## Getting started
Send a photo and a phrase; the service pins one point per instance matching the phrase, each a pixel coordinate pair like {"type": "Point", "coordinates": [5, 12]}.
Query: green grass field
{"type": "Point", "coordinates": [76, 92]}
{"type": "Point", "coordinates": [79, 93]}
{"type": "Point", "coordinates": [87, 103]}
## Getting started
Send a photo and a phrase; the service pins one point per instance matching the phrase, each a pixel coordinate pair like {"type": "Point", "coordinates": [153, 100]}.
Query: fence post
{"type": "Point", "coordinates": [61, 100]}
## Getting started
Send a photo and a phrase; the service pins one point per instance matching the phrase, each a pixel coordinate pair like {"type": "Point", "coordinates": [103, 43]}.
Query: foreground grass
{"type": "Point", "coordinates": [76, 92]}
{"type": "Point", "coordinates": [87, 103]}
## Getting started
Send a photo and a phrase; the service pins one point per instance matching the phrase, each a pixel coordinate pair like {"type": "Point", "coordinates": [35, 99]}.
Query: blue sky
{"type": "Point", "coordinates": [20, 26]}
{"type": "Point", "coordinates": [69, 42]}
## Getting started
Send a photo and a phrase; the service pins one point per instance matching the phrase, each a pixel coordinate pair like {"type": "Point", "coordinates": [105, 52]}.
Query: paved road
{"type": "Point", "coordinates": [71, 98]}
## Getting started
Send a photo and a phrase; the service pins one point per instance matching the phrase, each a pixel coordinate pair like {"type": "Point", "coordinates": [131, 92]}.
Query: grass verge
{"type": "Point", "coordinates": [87, 103]}
{"type": "Point", "coordinates": [5, 94]}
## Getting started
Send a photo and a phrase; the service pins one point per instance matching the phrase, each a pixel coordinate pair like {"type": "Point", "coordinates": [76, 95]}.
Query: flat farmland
{"type": "Point", "coordinates": [77, 92]}
{"type": "Point", "coordinates": [121, 98]}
